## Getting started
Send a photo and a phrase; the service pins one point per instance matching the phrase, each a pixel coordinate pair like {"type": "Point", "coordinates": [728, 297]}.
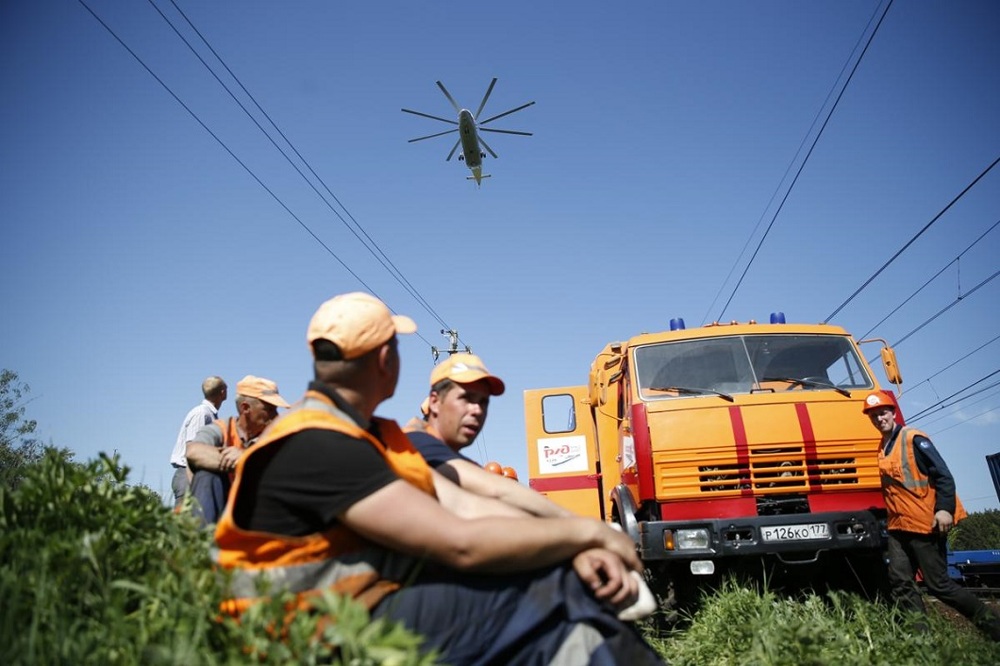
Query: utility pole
{"type": "Point", "coordinates": [452, 345]}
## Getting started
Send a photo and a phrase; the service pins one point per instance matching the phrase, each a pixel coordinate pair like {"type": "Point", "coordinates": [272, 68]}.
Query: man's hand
{"type": "Point", "coordinates": [607, 576]}
{"type": "Point", "coordinates": [229, 456]}
{"type": "Point", "coordinates": [943, 522]}
{"type": "Point", "coordinates": [621, 544]}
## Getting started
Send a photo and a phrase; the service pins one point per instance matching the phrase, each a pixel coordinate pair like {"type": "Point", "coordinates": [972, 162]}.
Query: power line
{"type": "Point", "coordinates": [946, 266]}
{"type": "Point", "coordinates": [995, 338]}
{"type": "Point", "coordinates": [223, 144]}
{"type": "Point", "coordinates": [911, 241]}
{"type": "Point", "coordinates": [788, 169]}
{"type": "Point", "coordinates": [975, 402]}
{"type": "Point", "coordinates": [947, 307]}
{"type": "Point", "coordinates": [233, 155]}
{"type": "Point", "coordinates": [370, 244]}
{"type": "Point", "coordinates": [971, 418]}
{"type": "Point", "coordinates": [804, 161]}
{"type": "Point", "coordinates": [940, 404]}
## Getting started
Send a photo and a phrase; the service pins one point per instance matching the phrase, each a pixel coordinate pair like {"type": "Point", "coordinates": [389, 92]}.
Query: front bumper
{"type": "Point", "coordinates": [740, 537]}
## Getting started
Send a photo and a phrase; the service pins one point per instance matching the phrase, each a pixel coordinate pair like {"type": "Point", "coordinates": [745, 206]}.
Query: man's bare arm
{"type": "Point", "coordinates": [203, 456]}
{"type": "Point", "coordinates": [477, 480]}
{"type": "Point", "coordinates": [467, 504]}
{"type": "Point", "coordinates": [401, 518]}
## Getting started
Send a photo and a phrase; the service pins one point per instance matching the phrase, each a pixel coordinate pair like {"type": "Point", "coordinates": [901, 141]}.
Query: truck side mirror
{"type": "Point", "coordinates": [890, 366]}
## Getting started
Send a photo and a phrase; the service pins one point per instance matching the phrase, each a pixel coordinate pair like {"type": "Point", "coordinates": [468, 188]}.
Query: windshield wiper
{"type": "Point", "coordinates": [806, 381]}
{"type": "Point", "coordinates": [687, 390]}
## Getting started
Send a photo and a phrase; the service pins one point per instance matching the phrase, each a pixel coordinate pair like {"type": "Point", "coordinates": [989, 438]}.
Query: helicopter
{"type": "Point", "coordinates": [469, 128]}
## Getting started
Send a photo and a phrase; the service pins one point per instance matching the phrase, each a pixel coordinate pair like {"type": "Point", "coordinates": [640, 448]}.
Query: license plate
{"type": "Point", "coordinates": [795, 532]}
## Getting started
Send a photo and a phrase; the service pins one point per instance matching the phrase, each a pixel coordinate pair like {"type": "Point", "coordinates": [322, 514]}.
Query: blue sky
{"type": "Point", "coordinates": [139, 256]}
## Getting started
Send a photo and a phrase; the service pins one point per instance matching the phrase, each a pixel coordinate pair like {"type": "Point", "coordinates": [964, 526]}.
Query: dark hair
{"type": "Point", "coordinates": [324, 350]}
{"type": "Point", "coordinates": [443, 386]}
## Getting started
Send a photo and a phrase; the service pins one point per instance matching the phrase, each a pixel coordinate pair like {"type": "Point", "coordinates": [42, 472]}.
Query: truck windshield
{"type": "Point", "coordinates": [749, 364]}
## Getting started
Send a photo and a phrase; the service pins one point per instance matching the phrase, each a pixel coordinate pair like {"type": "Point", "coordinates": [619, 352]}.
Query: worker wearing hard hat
{"type": "Point", "coordinates": [922, 506]}
{"type": "Point", "coordinates": [457, 405]}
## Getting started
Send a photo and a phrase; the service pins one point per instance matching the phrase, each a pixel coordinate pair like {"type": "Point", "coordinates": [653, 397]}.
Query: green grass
{"type": "Point", "coordinates": [742, 626]}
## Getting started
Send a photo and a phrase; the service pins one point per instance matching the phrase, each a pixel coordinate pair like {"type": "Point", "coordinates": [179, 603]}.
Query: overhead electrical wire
{"type": "Point", "coordinates": [941, 404]}
{"type": "Point", "coordinates": [975, 402]}
{"type": "Point", "coordinates": [370, 244]}
{"type": "Point", "coordinates": [222, 143]}
{"type": "Point", "coordinates": [934, 277]}
{"type": "Point", "coordinates": [911, 241]}
{"type": "Point", "coordinates": [804, 161]}
{"type": "Point", "coordinates": [940, 312]}
{"type": "Point", "coordinates": [966, 420]}
{"type": "Point", "coordinates": [953, 363]}
{"type": "Point", "coordinates": [788, 169]}
{"type": "Point", "coordinates": [231, 153]}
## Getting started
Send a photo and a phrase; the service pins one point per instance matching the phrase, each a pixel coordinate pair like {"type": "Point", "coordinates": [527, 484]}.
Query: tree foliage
{"type": "Point", "coordinates": [979, 531]}
{"type": "Point", "coordinates": [18, 445]}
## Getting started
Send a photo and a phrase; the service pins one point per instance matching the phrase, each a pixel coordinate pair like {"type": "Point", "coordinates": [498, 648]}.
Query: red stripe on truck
{"type": "Point", "coordinates": [577, 482]}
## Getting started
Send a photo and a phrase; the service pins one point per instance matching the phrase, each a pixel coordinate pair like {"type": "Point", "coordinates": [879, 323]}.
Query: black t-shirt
{"type": "Point", "coordinates": [434, 451]}
{"type": "Point", "coordinates": [299, 485]}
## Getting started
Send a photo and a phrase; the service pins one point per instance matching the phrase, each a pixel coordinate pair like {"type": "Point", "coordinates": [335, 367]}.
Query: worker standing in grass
{"type": "Point", "coordinates": [334, 498]}
{"type": "Point", "coordinates": [213, 452]}
{"type": "Point", "coordinates": [214, 390]}
{"type": "Point", "coordinates": [923, 506]}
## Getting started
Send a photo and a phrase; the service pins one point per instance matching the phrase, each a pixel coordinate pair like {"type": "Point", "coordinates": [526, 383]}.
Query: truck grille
{"type": "Point", "coordinates": [778, 470]}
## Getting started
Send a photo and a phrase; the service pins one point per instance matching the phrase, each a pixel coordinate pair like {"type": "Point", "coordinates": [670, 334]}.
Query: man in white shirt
{"type": "Point", "coordinates": [214, 390]}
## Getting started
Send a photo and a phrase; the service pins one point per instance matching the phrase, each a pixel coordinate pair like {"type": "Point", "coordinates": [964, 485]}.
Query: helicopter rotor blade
{"type": "Point", "coordinates": [450, 98]}
{"type": "Point", "coordinates": [427, 115]}
{"type": "Point", "coordinates": [490, 150]}
{"type": "Point", "coordinates": [453, 148]}
{"type": "Point", "coordinates": [505, 113]}
{"type": "Point", "coordinates": [490, 129]}
{"type": "Point", "coordinates": [485, 97]}
{"type": "Point", "coordinates": [431, 136]}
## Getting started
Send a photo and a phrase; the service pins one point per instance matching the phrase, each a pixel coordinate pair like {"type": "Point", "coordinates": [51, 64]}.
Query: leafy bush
{"type": "Point", "coordinates": [94, 571]}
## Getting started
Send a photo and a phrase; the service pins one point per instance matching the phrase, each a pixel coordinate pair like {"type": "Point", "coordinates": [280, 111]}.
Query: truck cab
{"type": "Point", "coordinates": [720, 447]}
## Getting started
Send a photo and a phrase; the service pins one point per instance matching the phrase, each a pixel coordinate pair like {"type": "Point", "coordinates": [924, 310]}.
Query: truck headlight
{"type": "Point", "coordinates": [691, 539]}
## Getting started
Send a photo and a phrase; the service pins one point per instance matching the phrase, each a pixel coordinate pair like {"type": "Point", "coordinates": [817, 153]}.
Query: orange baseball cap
{"type": "Point", "coordinates": [878, 399]}
{"type": "Point", "coordinates": [465, 369]}
{"type": "Point", "coordinates": [357, 323]}
{"type": "Point", "coordinates": [262, 389]}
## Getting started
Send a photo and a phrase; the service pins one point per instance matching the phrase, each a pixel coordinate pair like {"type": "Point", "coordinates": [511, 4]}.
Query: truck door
{"type": "Point", "coordinates": [563, 463]}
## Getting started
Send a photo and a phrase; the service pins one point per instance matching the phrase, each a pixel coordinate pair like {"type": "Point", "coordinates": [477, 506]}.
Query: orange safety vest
{"type": "Point", "coordinates": [230, 436]}
{"type": "Point", "coordinates": [909, 496]}
{"type": "Point", "coordinates": [230, 433]}
{"type": "Point", "coordinates": [337, 559]}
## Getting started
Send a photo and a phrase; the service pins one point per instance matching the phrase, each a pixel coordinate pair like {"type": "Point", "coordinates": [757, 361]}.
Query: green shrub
{"type": "Point", "coordinates": [94, 571]}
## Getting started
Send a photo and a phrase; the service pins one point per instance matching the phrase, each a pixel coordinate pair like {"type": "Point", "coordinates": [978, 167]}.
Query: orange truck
{"type": "Point", "coordinates": [728, 447]}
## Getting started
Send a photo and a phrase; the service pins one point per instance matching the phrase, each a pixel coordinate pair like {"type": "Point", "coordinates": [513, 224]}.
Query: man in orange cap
{"type": "Point", "coordinates": [214, 451]}
{"type": "Point", "coordinates": [457, 406]}
{"type": "Point", "coordinates": [335, 498]}
{"type": "Point", "coordinates": [922, 506]}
